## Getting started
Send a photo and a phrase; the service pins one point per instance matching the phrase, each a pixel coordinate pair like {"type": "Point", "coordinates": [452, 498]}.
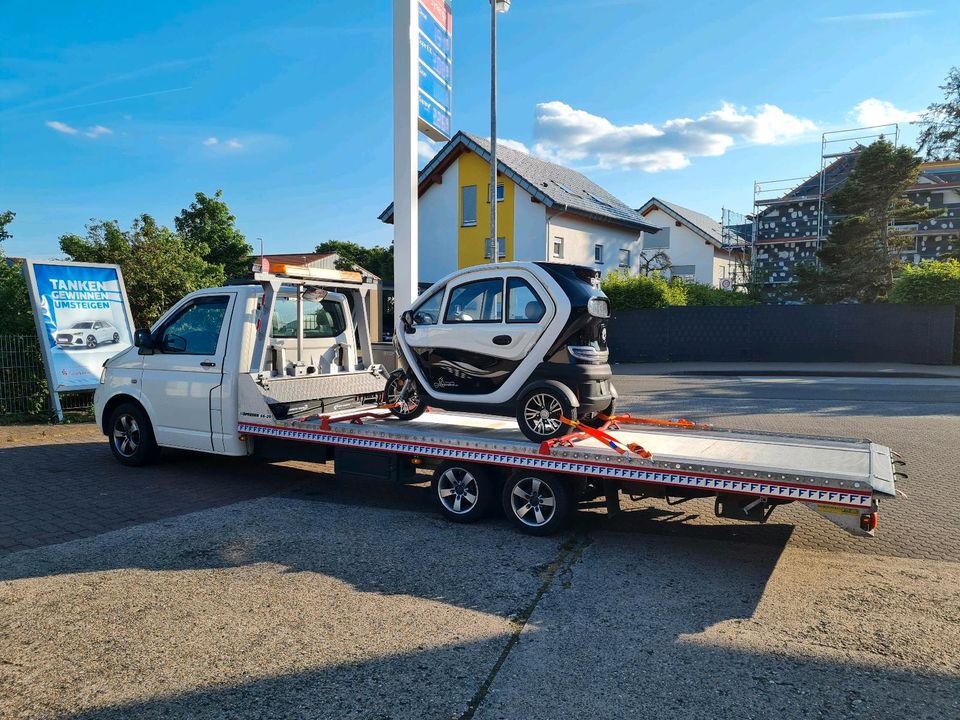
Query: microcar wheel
{"type": "Point", "coordinates": [116, 338]}
{"type": "Point", "coordinates": [537, 503]}
{"type": "Point", "coordinates": [131, 436]}
{"type": "Point", "coordinates": [539, 414]}
{"type": "Point", "coordinates": [91, 341]}
{"type": "Point", "coordinates": [464, 492]}
{"type": "Point", "coordinates": [412, 405]}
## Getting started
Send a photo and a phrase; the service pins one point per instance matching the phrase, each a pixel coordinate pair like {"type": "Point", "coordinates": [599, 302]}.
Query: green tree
{"type": "Point", "coordinates": [208, 223]}
{"type": "Point", "coordinates": [14, 301]}
{"type": "Point", "coordinates": [863, 252]}
{"type": "Point", "coordinates": [158, 265]}
{"type": "Point", "coordinates": [932, 282]}
{"type": "Point", "coordinates": [940, 137]}
{"type": "Point", "coordinates": [378, 259]}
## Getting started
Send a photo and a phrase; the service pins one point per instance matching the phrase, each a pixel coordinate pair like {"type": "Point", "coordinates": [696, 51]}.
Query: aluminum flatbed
{"type": "Point", "coordinates": [750, 473]}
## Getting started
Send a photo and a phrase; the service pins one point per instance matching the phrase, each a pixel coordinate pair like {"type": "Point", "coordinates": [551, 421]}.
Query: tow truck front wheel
{"type": "Point", "coordinates": [464, 492]}
{"type": "Point", "coordinates": [131, 436]}
{"type": "Point", "coordinates": [537, 503]}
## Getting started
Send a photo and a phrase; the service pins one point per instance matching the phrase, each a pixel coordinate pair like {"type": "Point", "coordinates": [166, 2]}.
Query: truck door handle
{"type": "Point", "coordinates": [502, 340]}
{"type": "Point", "coordinates": [208, 363]}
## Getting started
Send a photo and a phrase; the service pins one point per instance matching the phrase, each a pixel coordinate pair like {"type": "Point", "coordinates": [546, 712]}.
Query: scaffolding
{"type": "Point", "coordinates": [737, 234]}
{"type": "Point", "coordinates": [838, 152]}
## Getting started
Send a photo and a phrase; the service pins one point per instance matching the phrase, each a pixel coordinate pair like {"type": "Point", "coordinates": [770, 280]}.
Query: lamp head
{"type": "Point", "coordinates": [501, 5]}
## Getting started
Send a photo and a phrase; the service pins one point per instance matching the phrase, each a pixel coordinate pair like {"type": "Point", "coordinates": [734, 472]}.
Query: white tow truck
{"type": "Point", "coordinates": [280, 365]}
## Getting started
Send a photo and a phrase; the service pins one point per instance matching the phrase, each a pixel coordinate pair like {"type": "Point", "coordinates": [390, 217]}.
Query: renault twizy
{"type": "Point", "coordinates": [525, 339]}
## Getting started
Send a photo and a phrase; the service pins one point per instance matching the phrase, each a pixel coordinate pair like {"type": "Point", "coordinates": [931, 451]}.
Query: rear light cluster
{"type": "Point", "coordinates": [588, 354]}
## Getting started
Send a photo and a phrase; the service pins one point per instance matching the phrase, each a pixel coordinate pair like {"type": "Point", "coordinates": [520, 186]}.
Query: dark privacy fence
{"type": "Point", "coordinates": [786, 333]}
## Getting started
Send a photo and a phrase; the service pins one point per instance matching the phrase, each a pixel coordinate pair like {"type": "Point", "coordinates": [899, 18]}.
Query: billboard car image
{"type": "Point", "coordinates": [82, 319]}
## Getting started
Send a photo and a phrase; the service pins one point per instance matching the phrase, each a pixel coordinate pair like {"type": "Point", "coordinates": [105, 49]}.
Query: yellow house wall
{"type": "Point", "coordinates": [471, 241]}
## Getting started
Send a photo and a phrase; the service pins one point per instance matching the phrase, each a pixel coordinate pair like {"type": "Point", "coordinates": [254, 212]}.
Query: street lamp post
{"type": "Point", "coordinates": [496, 6]}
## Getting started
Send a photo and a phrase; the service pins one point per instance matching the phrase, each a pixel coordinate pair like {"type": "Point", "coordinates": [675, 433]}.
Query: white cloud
{"type": "Point", "coordinates": [426, 149]}
{"type": "Point", "coordinates": [210, 141]}
{"type": "Point", "coordinates": [98, 130]}
{"type": "Point", "coordinates": [61, 127]}
{"type": "Point", "coordinates": [233, 144]}
{"type": "Point", "coordinates": [878, 16]}
{"type": "Point", "coordinates": [568, 135]}
{"type": "Point", "coordinates": [882, 112]}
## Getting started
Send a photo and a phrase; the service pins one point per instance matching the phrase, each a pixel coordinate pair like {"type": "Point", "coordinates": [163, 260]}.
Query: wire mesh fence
{"type": "Point", "coordinates": [23, 383]}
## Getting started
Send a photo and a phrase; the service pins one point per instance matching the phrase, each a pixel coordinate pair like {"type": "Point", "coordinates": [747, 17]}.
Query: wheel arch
{"type": "Point", "coordinates": [544, 384]}
{"type": "Point", "coordinates": [113, 403]}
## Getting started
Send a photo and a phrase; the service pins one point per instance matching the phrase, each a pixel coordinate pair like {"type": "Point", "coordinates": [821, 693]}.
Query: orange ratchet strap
{"type": "Point", "coordinates": [606, 439]}
{"type": "Point", "coordinates": [630, 419]}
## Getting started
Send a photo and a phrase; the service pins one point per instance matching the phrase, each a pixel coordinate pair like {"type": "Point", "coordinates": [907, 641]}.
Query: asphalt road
{"type": "Point", "coordinates": [212, 588]}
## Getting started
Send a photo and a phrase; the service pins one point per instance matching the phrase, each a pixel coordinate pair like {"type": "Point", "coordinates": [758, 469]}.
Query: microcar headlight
{"type": "Point", "coordinates": [587, 354]}
{"type": "Point", "coordinates": [598, 307]}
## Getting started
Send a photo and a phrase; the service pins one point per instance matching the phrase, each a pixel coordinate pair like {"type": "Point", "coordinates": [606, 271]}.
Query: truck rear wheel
{"type": "Point", "coordinates": [537, 503]}
{"type": "Point", "coordinates": [131, 436]}
{"type": "Point", "coordinates": [464, 492]}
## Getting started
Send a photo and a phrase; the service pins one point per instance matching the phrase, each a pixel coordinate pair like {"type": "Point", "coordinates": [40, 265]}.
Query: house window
{"type": "Point", "coordinates": [687, 273]}
{"type": "Point", "coordinates": [659, 240]}
{"type": "Point", "coordinates": [499, 192]}
{"type": "Point", "coordinates": [598, 253]}
{"type": "Point", "coordinates": [501, 248]}
{"type": "Point", "coordinates": [624, 258]}
{"type": "Point", "coordinates": [468, 206]}
{"type": "Point", "coordinates": [558, 247]}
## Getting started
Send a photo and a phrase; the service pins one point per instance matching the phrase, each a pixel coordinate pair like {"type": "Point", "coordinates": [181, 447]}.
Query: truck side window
{"type": "Point", "coordinates": [429, 312]}
{"type": "Point", "coordinates": [195, 330]}
{"type": "Point", "coordinates": [523, 303]}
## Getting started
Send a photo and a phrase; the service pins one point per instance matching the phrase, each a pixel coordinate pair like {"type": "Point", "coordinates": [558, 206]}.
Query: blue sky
{"type": "Point", "coordinates": [111, 109]}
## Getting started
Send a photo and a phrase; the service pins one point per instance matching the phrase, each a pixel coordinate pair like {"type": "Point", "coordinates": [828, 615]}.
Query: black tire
{"type": "Point", "coordinates": [414, 406]}
{"type": "Point", "coordinates": [537, 503]}
{"type": "Point", "coordinates": [455, 483]}
{"type": "Point", "coordinates": [116, 338]}
{"type": "Point", "coordinates": [91, 341]}
{"type": "Point", "coordinates": [131, 436]}
{"type": "Point", "coordinates": [538, 427]}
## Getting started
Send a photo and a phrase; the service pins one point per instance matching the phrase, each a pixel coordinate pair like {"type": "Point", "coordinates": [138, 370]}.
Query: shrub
{"type": "Point", "coordinates": [628, 292]}
{"type": "Point", "coordinates": [707, 295]}
{"type": "Point", "coordinates": [932, 282]}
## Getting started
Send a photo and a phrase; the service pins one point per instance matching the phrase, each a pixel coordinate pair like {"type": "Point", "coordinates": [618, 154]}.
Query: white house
{"type": "Point", "coordinates": [693, 242]}
{"type": "Point", "coordinates": [546, 212]}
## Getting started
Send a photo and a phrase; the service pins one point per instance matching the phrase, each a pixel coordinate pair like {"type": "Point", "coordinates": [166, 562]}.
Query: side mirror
{"type": "Point", "coordinates": [407, 319]}
{"type": "Point", "coordinates": [143, 340]}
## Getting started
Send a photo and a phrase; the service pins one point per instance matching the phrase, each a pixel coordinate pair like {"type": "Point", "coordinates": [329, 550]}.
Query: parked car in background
{"type": "Point", "coordinates": [87, 333]}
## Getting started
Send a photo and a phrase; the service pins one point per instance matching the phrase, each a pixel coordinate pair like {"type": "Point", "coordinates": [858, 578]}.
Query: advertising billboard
{"type": "Point", "coordinates": [83, 318]}
{"type": "Point", "coordinates": [435, 22]}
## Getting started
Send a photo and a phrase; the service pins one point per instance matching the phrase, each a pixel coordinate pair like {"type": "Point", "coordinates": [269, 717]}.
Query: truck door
{"type": "Point", "coordinates": [185, 373]}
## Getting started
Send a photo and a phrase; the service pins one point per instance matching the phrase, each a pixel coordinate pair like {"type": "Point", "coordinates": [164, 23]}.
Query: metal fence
{"type": "Point", "coordinates": [23, 382]}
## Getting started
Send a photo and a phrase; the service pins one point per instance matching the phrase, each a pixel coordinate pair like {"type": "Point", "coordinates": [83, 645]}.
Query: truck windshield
{"type": "Point", "coordinates": [322, 319]}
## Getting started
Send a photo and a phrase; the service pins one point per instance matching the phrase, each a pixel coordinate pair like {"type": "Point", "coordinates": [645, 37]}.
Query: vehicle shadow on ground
{"type": "Point", "coordinates": [641, 664]}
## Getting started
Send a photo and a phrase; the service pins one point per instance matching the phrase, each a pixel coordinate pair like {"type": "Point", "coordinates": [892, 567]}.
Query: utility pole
{"type": "Point", "coordinates": [494, 245]}
{"type": "Point", "coordinates": [405, 216]}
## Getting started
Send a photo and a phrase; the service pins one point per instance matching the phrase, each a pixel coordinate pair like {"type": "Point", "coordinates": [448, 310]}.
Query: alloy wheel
{"type": "Point", "coordinates": [533, 501]}
{"type": "Point", "coordinates": [126, 435]}
{"type": "Point", "coordinates": [458, 490]}
{"type": "Point", "coordinates": [542, 413]}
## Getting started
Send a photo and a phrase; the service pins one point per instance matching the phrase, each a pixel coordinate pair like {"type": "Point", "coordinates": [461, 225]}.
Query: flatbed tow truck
{"type": "Point", "coordinates": [478, 461]}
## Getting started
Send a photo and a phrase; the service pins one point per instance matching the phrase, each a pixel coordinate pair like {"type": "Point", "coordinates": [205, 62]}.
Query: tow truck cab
{"type": "Point", "coordinates": [179, 386]}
